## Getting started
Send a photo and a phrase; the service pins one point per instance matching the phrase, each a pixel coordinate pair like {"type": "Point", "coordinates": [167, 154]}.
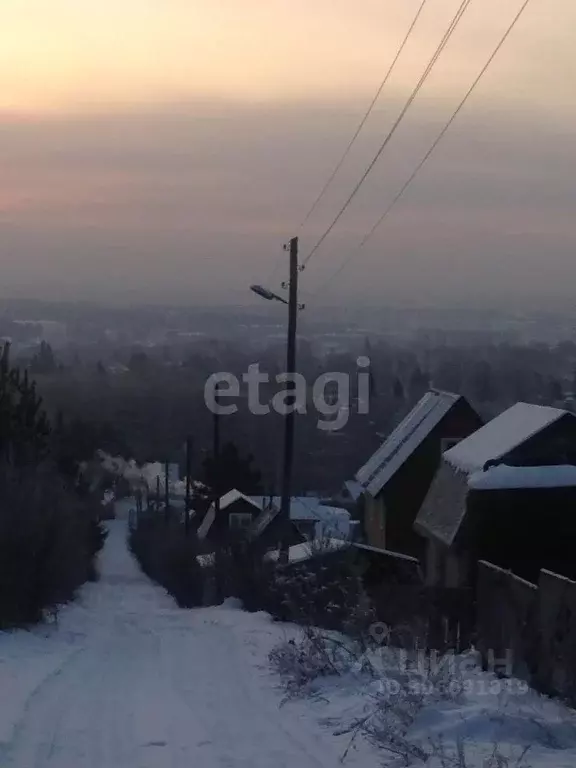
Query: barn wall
{"type": "Point", "coordinates": [525, 530]}
{"type": "Point", "coordinates": [374, 521]}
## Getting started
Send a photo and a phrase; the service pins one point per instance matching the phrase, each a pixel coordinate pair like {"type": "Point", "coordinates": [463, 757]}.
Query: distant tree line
{"type": "Point", "coordinates": [143, 403]}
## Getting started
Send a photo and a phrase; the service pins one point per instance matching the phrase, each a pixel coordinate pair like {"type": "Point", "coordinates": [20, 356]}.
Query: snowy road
{"type": "Point", "coordinates": [127, 680]}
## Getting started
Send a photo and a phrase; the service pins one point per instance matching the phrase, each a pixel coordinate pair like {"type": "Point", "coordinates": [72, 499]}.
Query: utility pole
{"type": "Point", "coordinates": [216, 452]}
{"type": "Point", "coordinates": [188, 485]}
{"type": "Point", "coordinates": [290, 411]}
{"type": "Point", "coordinates": [166, 492]}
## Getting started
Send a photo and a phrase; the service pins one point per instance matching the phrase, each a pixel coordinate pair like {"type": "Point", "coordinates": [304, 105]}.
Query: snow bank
{"type": "Point", "coordinates": [418, 713]}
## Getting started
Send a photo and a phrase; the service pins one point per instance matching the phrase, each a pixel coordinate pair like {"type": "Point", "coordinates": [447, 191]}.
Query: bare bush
{"type": "Point", "coordinates": [402, 687]}
{"type": "Point", "coordinates": [323, 591]}
{"type": "Point", "coordinates": [315, 654]}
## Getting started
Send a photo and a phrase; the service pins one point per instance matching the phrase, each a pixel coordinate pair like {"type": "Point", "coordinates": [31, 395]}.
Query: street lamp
{"type": "Point", "coordinates": [264, 293]}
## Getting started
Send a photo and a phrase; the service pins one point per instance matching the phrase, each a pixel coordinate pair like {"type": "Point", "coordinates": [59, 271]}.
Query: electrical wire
{"type": "Point", "coordinates": [365, 117]}
{"type": "Point", "coordinates": [327, 185]}
{"type": "Point", "coordinates": [453, 24]}
{"type": "Point", "coordinates": [429, 153]}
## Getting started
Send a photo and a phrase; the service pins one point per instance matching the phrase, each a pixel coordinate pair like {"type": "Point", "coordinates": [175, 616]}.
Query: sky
{"type": "Point", "coordinates": [163, 150]}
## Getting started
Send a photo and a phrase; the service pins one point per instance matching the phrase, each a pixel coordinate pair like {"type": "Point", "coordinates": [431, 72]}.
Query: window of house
{"type": "Point", "coordinates": [239, 520]}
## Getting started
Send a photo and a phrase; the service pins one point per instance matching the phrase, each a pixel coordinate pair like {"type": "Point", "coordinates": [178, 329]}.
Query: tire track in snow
{"type": "Point", "coordinates": [7, 748]}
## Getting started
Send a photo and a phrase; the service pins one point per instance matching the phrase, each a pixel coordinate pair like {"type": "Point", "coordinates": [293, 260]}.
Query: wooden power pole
{"type": "Point", "coordinates": [216, 453]}
{"type": "Point", "coordinates": [166, 492]}
{"type": "Point", "coordinates": [188, 485]}
{"type": "Point", "coordinates": [290, 401]}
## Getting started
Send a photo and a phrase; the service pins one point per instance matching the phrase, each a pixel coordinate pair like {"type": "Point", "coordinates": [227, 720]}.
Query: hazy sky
{"type": "Point", "coordinates": [164, 149]}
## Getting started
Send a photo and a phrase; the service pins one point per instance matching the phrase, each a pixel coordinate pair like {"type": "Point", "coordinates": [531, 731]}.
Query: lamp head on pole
{"type": "Point", "coordinates": [264, 293]}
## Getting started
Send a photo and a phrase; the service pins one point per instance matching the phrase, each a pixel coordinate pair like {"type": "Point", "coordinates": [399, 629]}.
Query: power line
{"type": "Point", "coordinates": [279, 263]}
{"type": "Point", "coordinates": [453, 24]}
{"type": "Point", "coordinates": [429, 153]}
{"type": "Point", "coordinates": [365, 117]}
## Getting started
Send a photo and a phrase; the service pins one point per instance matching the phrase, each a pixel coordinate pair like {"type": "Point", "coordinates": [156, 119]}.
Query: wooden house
{"type": "Point", "coordinates": [506, 494]}
{"type": "Point", "coordinates": [235, 516]}
{"type": "Point", "coordinates": [252, 518]}
{"type": "Point", "coordinates": [396, 479]}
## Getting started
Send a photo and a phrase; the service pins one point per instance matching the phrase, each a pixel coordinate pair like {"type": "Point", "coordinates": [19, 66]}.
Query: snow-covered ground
{"type": "Point", "coordinates": [127, 680]}
{"type": "Point", "coordinates": [421, 717]}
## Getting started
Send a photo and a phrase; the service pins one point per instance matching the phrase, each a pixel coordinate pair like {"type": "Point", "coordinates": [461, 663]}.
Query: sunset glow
{"type": "Point", "coordinates": [71, 55]}
{"type": "Point", "coordinates": [204, 128]}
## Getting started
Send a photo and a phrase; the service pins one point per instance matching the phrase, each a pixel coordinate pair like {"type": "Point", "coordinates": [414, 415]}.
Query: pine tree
{"type": "Point", "coordinates": [24, 427]}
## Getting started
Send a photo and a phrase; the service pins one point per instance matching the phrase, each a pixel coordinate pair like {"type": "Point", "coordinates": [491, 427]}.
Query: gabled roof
{"type": "Point", "coordinates": [501, 436]}
{"type": "Point", "coordinates": [444, 513]}
{"type": "Point", "coordinates": [405, 439]}
{"type": "Point", "coordinates": [233, 496]}
{"type": "Point", "coordinates": [225, 501]}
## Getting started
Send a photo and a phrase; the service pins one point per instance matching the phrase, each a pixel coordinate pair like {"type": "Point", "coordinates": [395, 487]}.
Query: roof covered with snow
{"type": "Point", "coordinates": [333, 521]}
{"type": "Point", "coordinates": [405, 439]}
{"type": "Point", "coordinates": [301, 552]}
{"type": "Point", "coordinates": [445, 510]}
{"type": "Point", "coordinates": [303, 507]}
{"type": "Point", "coordinates": [501, 436]}
{"type": "Point", "coordinates": [233, 496]}
{"type": "Point", "coordinates": [504, 477]}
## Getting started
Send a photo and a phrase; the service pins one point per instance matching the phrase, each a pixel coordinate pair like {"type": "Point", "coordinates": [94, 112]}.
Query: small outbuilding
{"type": "Point", "coordinates": [506, 494]}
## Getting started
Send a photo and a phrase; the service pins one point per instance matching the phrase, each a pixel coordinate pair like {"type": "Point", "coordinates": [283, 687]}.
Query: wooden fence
{"type": "Point", "coordinates": [528, 630]}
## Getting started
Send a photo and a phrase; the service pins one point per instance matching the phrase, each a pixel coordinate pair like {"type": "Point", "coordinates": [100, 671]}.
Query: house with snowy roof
{"type": "Point", "coordinates": [395, 480]}
{"type": "Point", "coordinates": [506, 494]}
{"type": "Point", "coordinates": [235, 514]}
{"type": "Point", "coordinates": [241, 516]}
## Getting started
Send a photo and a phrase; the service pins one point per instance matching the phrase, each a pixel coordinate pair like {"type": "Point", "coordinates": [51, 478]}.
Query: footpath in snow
{"type": "Point", "coordinates": [128, 680]}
